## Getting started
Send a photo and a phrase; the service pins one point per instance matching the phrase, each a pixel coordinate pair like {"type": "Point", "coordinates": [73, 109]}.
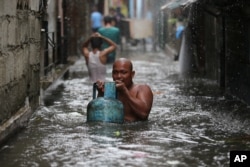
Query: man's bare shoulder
{"type": "Point", "coordinates": [144, 91]}
{"type": "Point", "coordinates": [142, 87]}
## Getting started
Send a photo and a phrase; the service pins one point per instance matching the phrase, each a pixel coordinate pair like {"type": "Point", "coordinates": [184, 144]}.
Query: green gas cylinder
{"type": "Point", "coordinates": [107, 108]}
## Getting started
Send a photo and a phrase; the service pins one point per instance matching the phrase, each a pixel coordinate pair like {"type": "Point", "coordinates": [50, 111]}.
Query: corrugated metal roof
{"type": "Point", "coordinates": [177, 3]}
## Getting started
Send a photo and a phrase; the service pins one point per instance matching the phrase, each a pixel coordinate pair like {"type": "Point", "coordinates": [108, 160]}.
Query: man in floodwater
{"type": "Point", "coordinates": [137, 99]}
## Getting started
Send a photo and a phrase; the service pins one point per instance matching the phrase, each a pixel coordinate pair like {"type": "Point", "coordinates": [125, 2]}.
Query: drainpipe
{"type": "Point", "coordinates": [65, 36]}
{"type": "Point", "coordinates": [131, 8]}
{"type": "Point", "coordinates": [223, 56]}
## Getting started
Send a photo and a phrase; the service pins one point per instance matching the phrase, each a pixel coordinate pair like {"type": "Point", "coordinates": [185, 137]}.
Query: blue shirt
{"type": "Point", "coordinates": [179, 31]}
{"type": "Point", "coordinates": [96, 19]}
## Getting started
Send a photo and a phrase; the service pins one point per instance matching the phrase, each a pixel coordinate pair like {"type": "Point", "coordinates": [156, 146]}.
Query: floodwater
{"type": "Point", "coordinates": [192, 123]}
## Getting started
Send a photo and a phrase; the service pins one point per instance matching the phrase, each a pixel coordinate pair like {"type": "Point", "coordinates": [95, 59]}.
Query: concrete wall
{"type": "Point", "coordinates": [19, 61]}
{"type": "Point", "coordinates": [226, 31]}
{"type": "Point", "coordinates": [237, 55]}
{"type": "Point", "coordinates": [227, 41]}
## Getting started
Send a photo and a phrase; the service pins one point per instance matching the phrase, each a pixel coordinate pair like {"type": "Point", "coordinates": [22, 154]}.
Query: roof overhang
{"type": "Point", "coordinates": [176, 4]}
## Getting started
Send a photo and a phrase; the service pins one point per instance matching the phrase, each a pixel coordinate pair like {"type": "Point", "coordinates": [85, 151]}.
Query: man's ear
{"type": "Point", "coordinates": [133, 74]}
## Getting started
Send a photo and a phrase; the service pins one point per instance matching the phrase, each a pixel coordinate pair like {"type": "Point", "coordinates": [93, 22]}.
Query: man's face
{"type": "Point", "coordinates": [122, 72]}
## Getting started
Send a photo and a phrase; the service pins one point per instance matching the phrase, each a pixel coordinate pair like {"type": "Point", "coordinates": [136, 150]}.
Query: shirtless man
{"type": "Point", "coordinates": [137, 99]}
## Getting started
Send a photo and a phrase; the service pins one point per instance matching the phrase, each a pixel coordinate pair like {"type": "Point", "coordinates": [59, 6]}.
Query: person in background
{"type": "Point", "coordinates": [137, 99]}
{"type": "Point", "coordinates": [96, 58]}
{"type": "Point", "coordinates": [111, 32]}
{"type": "Point", "coordinates": [179, 28]}
{"type": "Point", "coordinates": [178, 35]}
{"type": "Point", "coordinates": [112, 14]}
{"type": "Point", "coordinates": [96, 19]}
{"type": "Point", "coordinates": [119, 16]}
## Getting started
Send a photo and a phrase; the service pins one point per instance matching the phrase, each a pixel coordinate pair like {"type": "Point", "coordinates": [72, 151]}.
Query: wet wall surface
{"type": "Point", "coordinates": [192, 123]}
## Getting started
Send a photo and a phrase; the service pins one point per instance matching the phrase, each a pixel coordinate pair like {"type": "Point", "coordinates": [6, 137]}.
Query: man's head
{"type": "Point", "coordinates": [118, 9]}
{"type": "Point", "coordinates": [96, 42]}
{"type": "Point", "coordinates": [123, 71]}
{"type": "Point", "coordinates": [94, 8]}
{"type": "Point", "coordinates": [112, 11]}
{"type": "Point", "coordinates": [107, 20]}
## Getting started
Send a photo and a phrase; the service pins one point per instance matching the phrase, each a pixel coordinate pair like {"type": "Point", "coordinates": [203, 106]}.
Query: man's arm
{"type": "Point", "coordinates": [112, 45]}
{"type": "Point", "coordinates": [140, 103]}
{"type": "Point", "coordinates": [100, 88]}
{"type": "Point", "coordinates": [85, 50]}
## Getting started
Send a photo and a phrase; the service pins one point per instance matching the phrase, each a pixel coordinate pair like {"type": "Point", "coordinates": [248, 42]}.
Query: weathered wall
{"type": "Point", "coordinates": [77, 24]}
{"type": "Point", "coordinates": [227, 41]}
{"type": "Point", "coordinates": [19, 56]}
{"type": "Point", "coordinates": [227, 45]}
{"type": "Point", "coordinates": [237, 54]}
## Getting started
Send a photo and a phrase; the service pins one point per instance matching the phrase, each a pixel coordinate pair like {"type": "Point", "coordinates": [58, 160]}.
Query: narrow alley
{"type": "Point", "coordinates": [194, 54]}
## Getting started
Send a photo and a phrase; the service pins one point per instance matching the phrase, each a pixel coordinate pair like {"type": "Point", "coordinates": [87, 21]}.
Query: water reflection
{"type": "Point", "coordinates": [192, 123]}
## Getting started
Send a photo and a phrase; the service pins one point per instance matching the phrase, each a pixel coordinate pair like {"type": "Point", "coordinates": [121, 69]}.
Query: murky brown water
{"type": "Point", "coordinates": [192, 123]}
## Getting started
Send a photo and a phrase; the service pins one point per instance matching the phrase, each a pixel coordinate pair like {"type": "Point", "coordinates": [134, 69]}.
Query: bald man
{"type": "Point", "coordinates": [137, 99]}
